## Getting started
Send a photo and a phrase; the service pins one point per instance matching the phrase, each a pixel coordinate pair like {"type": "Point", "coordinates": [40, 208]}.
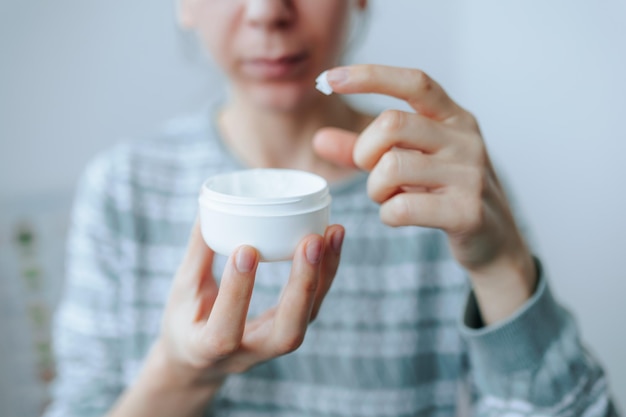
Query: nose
{"type": "Point", "coordinates": [269, 13]}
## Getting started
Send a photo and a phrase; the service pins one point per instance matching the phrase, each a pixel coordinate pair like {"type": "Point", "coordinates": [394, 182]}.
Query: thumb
{"type": "Point", "coordinates": [335, 145]}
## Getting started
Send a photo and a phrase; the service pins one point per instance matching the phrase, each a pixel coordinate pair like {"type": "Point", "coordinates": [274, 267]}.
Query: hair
{"type": "Point", "coordinates": [359, 28]}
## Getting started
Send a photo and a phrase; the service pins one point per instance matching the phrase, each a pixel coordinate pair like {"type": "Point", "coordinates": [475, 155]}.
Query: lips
{"type": "Point", "coordinates": [284, 66]}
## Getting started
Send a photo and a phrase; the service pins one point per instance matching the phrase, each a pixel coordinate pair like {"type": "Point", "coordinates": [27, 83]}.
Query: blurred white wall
{"type": "Point", "coordinates": [77, 75]}
{"type": "Point", "coordinates": [546, 80]}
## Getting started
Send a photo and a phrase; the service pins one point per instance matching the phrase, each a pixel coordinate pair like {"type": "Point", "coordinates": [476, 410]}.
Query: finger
{"type": "Point", "coordinates": [401, 169]}
{"type": "Point", "coordinates": [294, 308]}
{"type": "Point", "coordinates": [194, 279]}
{"type": "Point", "coordinates": [333, 242]}
{"type": "Point", "coordinates": [198, 259]}
{"type": "Point", "coordinates": [400, 129]}
{"type": "Point", "coordinates": [411, 85]}
{"type": "Point", "coordinates": [335, 145]}
{"type": "Point", "coordinates": [442, 211]}
{"type": "Point", "coordinates": [253, 326]}
{"type": "Point", "coordinates": [224, 328]}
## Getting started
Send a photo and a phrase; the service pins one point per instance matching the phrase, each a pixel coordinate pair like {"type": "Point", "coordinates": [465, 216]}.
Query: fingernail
{"type": "Point", "coordinates": [314, 251]}
{"type": "Point", "coordinates": [337, 76]}
{"type": "Point", "coordinates": [246, 259]}
{"type": "Point", "coordinates": [337, 241]}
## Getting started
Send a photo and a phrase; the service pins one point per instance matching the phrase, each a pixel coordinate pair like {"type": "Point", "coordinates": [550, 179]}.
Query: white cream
{"type": "Point", "coordinates": [269, 209]}
{"type": "Point", "coordinates": [323, 85]}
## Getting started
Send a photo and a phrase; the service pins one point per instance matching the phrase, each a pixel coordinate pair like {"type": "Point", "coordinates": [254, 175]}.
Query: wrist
{"type": "Point", "coordinates": [161, 389]}
{"type": "Point", "coordinates": [504, 285]}
{"type": "Point", "coordinates": [162, 374]}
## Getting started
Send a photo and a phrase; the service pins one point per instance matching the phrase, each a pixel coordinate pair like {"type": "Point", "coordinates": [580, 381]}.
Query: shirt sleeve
{"type": "Point", "coordinates": [87, 339]}
{"type": "Point", "coordinates": [533, 364]}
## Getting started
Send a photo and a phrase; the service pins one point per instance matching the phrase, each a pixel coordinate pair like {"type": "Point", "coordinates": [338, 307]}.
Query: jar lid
{"type": "Point", "coordinates": [265, 192]}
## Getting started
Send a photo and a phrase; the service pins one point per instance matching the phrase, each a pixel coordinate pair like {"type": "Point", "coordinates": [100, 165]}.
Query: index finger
{"type": "Point", "coordinates": [415, 87]}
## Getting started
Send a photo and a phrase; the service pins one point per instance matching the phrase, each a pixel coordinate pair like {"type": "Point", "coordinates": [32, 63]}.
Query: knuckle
{"type": "Point", "coordinates": [368, 72]}
{"type": "Point", "coordinates": [222, 347]}
{"type": "Point", "coordinates": [477, 179]}
{"type": "Point", "coordinates": [475, 215]}
{"type": "Point", "coordinates": [421, 162]}
{"type": "Point", "coordinates": [360, 155]}
{"type": "Point", "coordinates": [314, 315]}
{"type": "Point", "coordinates": [471, 214]}
{"type": "Point", "coordinates": [384, 175]}
{"type": "Point", "coordinates": [309, 286]}
{"type": "Point", "coordinates": [473, 151]}
{"type": "Point", "coordinates": [480, 161]}
{"type": "Point", "coordinates": [392, 120]}
{"type": "Point", "coordinates": [421, 82]}
{"type": "Point", "coordinates": [469, 120]}
{"type": "Point", "coordinates": [472, 121]}
{"type": "Point", "coordinates": [373, 187]}
{"type": "Point", "coordinates": [399, 211]}
{"type": "Point", "coordinates": [389, 164]}
{"type": "Point", "coordinates": [480, 152]}
{"type": "Point", "coordinates": [290, 343]}
{"type": "Point", "coordinates": [237, 368]}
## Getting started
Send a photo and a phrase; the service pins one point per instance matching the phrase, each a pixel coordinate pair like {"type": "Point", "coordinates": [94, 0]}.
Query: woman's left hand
{"type": "Point", "coordinates": [431, 168]}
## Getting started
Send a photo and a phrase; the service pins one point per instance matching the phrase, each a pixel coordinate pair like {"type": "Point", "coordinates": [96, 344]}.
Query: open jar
{"type": "Point", "coordinates": [271, 210]}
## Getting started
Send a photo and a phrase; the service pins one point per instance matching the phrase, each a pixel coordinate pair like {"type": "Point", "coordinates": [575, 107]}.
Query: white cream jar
{"type": "Point", "coordinates": [269, 209]}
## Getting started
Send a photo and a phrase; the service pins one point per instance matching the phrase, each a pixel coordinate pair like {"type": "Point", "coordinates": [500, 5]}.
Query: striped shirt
{"type": "Point", "coordinates": [398, 335]}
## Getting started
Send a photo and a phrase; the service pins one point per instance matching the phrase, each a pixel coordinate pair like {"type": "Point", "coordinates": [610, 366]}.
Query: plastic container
{"type": "Point", "coordinates": [269, 209]}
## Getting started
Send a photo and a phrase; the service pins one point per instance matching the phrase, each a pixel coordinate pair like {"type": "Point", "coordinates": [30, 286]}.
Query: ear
{"type": "Point", "coordinates": [185, 13]}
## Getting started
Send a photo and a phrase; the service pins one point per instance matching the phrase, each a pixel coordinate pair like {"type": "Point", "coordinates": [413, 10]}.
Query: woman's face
{"type": "Point", "coordinates": [271, 50]}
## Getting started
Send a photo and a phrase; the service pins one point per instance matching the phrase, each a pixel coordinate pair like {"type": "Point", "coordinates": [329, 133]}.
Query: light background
{"type": "Point", "coordinates": [545, 78]}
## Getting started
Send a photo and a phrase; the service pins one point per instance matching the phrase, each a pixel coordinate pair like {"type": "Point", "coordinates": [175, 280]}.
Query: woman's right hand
{"type": "Point", "coordinates": [205, 333]}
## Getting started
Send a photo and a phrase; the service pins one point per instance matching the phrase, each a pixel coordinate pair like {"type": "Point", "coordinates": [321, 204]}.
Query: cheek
{"type": "Point", "coordinates": [330, 28]}
{"type": "Point", "coordinates": [215, 34]}
{"type": "Point", "coordinates": [213, 42]}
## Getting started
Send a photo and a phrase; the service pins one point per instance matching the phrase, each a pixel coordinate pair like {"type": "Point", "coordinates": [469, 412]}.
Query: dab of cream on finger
{"type": "Point", "coordinates": [323, 85]}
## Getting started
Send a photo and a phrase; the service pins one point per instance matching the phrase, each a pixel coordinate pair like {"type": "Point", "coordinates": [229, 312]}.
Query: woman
{"type": "Point", "coordinates": [388, 339]}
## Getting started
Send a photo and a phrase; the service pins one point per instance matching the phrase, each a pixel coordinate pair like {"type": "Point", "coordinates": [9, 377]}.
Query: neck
{"type": "Point", "coordinates": [263, 137]}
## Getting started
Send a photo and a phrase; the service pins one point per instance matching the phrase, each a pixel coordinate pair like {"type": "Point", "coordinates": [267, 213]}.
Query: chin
{"type": "Point", "coordinates": [284, 98]}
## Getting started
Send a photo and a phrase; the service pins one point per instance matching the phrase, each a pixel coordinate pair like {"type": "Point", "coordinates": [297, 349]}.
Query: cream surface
{"type": "Point", "coordinates": [266, 183]}
{"type": "Point", "coordinates": [323, 85]}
